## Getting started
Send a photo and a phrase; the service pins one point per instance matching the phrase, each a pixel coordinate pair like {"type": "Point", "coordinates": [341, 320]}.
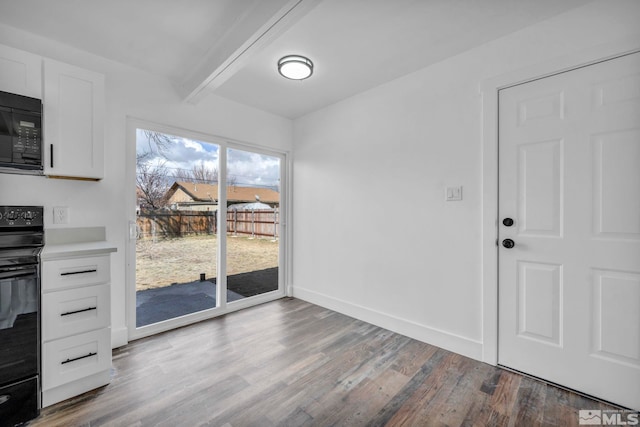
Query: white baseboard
{"type": "Point", "coordinates": [119, 337]}
{"type": "Point", "coordinates": [439, 338]}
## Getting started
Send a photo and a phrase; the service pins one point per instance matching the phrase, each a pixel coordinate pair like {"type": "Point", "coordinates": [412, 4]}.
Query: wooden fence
{"type": "Point", "coordinates": [262, 223]}
{"type": "Point", "coordinates": [259, 223]}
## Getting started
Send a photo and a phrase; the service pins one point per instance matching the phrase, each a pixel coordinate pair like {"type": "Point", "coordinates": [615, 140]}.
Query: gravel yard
{"type": "Point", "coordinates": [182, 260]}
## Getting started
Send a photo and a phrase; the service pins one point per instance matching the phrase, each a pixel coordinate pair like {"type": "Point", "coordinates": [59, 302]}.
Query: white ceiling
{"type": "Point", "coordinates": [231, 47]}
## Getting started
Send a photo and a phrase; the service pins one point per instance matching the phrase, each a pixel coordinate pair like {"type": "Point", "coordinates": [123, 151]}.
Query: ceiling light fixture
{"type": "Point", "coordinates": [295, 67]}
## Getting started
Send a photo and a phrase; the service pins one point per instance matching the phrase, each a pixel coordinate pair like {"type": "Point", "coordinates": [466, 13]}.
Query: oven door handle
{"type": "Point", "coordinates": [12, 273]}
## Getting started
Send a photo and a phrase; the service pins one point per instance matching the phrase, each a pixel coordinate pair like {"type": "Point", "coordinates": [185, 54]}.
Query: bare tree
{"type": "Point", "coordinates": [199, 173]}
{"type": "Point", "coordinates": [143, 157]}
{"type": "Point", "coordinates": [182, 175]}
{"type": "Point", "coordinates": [161, 141]}
{"type": "Point", "coordinates": [204, 174]}
{"type": "Point", "coordinates": [152, 184]}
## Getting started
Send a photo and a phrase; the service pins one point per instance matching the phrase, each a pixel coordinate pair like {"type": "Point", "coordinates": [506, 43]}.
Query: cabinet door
{"type": "Point", "coordinates": [73, 121]}
{"type": "Point", "coordinates": [20, 72]}
{"type": "Point", "coordinates": [75, 272]}
{"type": "Point", "coordinates": [75, 311]}
{"type": "Point", "coordinates": [75, 357]}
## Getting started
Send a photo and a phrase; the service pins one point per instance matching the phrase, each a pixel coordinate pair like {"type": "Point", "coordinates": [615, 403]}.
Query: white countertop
{"type": "Point", "coordinates": [76, 249]}
{"type": "Point", "coordinates": [75, 242]}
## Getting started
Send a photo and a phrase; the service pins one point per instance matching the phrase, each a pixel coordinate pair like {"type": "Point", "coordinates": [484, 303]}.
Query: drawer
{"type": "Point", "coordinates": [74, 311]}
{"type": "Point", "coordinates": [70, 359]}
{"type": "Point", "coordinates": [65, 273]}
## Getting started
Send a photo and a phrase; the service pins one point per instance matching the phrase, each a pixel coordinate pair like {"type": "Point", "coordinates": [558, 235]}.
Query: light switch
{"type": "Point", "coordinates": [453, 194]}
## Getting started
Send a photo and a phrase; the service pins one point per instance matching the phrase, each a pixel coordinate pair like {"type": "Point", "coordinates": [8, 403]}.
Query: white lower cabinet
{"type": "Point", "coordinates": [75, 272]}
{"type": "Point", "coordinates": [76, 326]}
{"type": "Point", "coordinates": [75, 358]}
{"type": "Point", "coordinates": [74, 311]}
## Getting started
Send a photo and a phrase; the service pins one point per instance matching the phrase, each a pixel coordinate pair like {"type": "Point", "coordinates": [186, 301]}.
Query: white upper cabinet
{"type": "Point", "coordinates": [73, 119]}
{"type": "Point", "coordinates": [20, 72]}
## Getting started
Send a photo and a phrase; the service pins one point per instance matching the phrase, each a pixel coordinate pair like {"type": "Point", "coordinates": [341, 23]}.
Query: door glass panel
{"type": "Point", "coordinates": [177, 204]}
{"type": "Point", "coordinates": [253, 223]}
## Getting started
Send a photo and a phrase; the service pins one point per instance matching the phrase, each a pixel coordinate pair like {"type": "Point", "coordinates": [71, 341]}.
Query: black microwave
{"type": "Point", "coordinates": [20, 134]}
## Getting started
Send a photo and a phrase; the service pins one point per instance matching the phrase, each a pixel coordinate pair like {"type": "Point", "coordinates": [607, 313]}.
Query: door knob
{"type": "Point", "coordinates": [508, 222]}
{"type": "Point", "coordinates": [508, 243]}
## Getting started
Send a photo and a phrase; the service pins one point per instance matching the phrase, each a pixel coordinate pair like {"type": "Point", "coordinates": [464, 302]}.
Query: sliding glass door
{"type": "Point", "coordinates": [176, 211]}
{"type": "Point", "coordinates": [253, 223]}
{"type": "Point", "coordinates": [207, 235]}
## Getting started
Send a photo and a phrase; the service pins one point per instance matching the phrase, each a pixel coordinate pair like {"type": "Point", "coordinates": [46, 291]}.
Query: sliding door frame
{"type": "Point", "coordinates": [284, 264]}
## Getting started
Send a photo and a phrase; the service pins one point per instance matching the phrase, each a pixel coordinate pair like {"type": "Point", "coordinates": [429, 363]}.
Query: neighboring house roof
{"type": "Point", "coordinates": [235, 194]}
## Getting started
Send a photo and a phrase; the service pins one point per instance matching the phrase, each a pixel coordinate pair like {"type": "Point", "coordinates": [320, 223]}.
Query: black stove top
{"type": "Point", "coordinates": [21, 236]}
{"type": "Point", "coordinates": [21, 217]}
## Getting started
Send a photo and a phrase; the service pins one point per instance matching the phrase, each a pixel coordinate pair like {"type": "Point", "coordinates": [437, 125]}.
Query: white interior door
{"type": "Point", "coordinates": [569, 288]}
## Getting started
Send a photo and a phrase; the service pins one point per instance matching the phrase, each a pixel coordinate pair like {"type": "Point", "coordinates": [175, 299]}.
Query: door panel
{"type": "Point", "coordinates": [616, 295]}
{"type": "Point", "coordinates": [540, 188]}
{"type": "Point", "coordinates": [616, 178]}
{"type": "Point", "coordinates": [545, 108]}
{"type": "Point", "coordinates": [539, 294]}
{"type": "Point", "coordinates": [569, 289]}
{"type": "Point", "coordinates": [177, 240]}
{"type": "Point", "coordinates": [253, 224]}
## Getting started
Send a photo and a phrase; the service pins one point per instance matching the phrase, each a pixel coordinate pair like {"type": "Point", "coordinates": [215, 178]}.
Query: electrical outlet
{"type": "Point", "coordinates": [60, 215]}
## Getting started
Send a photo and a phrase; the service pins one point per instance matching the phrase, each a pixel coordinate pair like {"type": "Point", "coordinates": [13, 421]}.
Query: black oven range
{"type": "Point", "coordinates": [21, 241]}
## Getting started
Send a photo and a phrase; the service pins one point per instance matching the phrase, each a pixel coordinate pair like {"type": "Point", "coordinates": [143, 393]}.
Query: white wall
{"type": "Point", "coordinates": [373, 236]}
{"type": "Point", "coordinates": [129, 93]}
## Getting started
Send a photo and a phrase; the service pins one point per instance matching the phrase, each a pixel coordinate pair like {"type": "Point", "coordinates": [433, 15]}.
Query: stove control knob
{"type": "Point", "coordinates": [11, 216]}
{"type": "Point", "coordinates": [28, 215]}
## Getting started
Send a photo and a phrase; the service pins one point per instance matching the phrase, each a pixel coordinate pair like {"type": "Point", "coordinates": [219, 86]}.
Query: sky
{"type": "Point", "coordinates": [244, 168]}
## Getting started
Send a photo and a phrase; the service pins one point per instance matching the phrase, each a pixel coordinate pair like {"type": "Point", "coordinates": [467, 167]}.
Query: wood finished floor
{"type": "Point", "coordinates": [291, 363]}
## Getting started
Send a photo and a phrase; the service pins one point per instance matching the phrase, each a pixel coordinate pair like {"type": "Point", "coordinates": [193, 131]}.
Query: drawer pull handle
{"type": "Point", "coordinates": [69, 313]}
{"type": "Point", "coordinates": [78, 358]}
{"type": "Point", "coordinates": [70, 273]}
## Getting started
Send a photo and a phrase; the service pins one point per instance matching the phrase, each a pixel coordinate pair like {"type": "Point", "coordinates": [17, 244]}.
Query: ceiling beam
{"type": "Point", "coordinates": [259, 27]}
